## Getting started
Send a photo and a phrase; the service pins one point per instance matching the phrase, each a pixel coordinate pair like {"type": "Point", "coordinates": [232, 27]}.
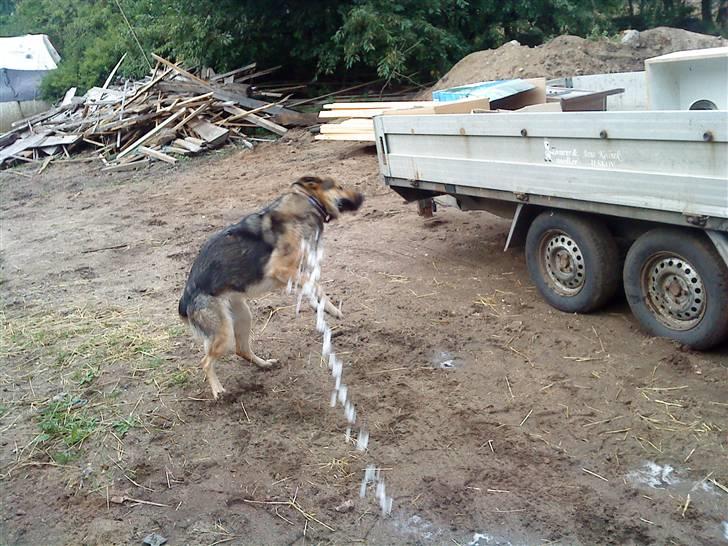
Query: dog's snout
{"type": "Point", "coordinates": [351, 202]}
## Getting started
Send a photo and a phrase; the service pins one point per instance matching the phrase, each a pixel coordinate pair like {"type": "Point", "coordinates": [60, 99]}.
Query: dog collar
{"type": "Point", "coordinates": [325, 216]}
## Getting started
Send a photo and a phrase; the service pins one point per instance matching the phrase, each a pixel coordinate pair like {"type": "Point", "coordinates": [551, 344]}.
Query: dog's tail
{"type": "Point", "coordinates": [197, 310]}
{"type": "Point", "coordinates": [183, 305]}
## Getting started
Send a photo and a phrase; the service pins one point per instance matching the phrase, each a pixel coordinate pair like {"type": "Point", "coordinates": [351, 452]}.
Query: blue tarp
{"type": "Point", "coordinates": [20, 85]}
{"type": "Point", "coordinates": [493, 90]}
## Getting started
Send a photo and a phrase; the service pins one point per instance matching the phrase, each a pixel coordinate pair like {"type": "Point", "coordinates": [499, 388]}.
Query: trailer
{"type": "Point", "coordinates": [600, 200]}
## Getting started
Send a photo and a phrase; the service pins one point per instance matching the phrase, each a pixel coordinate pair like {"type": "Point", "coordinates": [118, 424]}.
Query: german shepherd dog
{"type": "Point", "coordinates": [260, 253]}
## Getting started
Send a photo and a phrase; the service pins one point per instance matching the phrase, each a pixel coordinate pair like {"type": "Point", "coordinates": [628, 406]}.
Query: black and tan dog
{"type": "Point", "coordinates": [260, 253]}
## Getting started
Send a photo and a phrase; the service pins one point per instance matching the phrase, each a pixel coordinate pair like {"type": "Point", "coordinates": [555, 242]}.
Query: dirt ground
{"type": "Point", "coordinates": [494, 418]}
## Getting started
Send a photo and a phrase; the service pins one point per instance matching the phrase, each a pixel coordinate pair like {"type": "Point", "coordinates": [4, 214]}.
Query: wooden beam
{"type": "Point", "coordinates": [212, 134]}
{"type": "Point", "coordinates": [180, 71]}
{"type": "Point", "coordinates": [150, 134]}
{"type": "Point", "coordinates": [156, 154]}
{"type": "Point", "coordinates": [361, 137]}
{"type": "Point", "coordinates": [235, 72]}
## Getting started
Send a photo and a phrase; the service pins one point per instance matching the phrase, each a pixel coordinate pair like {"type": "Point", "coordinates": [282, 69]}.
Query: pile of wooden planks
{"type": "Point", "coordinates": [355, 118]}
{"type": "Point", "coordinates": [169, 114]}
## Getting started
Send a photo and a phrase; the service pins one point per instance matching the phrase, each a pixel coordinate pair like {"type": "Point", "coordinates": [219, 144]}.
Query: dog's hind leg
{"type": "Point", "coordinates": [214, 349]}
{"type": "Point", "coordinates": [242, 323]}
{"type": "Point", "coordinates": [212, 322]}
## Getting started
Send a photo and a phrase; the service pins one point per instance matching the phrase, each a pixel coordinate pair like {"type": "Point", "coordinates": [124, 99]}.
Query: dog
{"type": "Point", "coordinates": [259, 254]}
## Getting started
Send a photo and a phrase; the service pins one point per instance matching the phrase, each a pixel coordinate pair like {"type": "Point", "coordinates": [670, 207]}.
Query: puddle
{"type": "Point", "coordinates": [445, 360]}
{"type": "Point", "coordinates": [654, 475]}
{"type": "Point", "coordinates": [418, 526]}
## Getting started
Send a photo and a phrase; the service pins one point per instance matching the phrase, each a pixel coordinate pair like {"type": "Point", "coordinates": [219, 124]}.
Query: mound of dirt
{"type": "Point", "coordinates": [572, 56]}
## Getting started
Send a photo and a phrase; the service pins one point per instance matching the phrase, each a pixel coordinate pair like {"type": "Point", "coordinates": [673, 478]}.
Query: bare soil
{"type": "Point", "coordinates": [566, 56]}
{"type": "Point", "coordinates": [495, 419]}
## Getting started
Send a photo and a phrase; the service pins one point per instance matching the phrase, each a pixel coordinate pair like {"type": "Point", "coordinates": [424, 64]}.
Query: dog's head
{"type": "Point", "coordinates": [332, 196]}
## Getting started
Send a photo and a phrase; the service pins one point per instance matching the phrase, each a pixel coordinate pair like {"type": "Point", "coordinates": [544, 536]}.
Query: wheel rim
{"type": "Point", "coordinates": [562, 262]}
{"type": "Point", "coordinates": [673, 291]}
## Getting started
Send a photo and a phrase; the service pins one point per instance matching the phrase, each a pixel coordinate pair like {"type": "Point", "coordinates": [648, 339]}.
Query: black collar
{"type": "Point", "coordinates": [320, 209]}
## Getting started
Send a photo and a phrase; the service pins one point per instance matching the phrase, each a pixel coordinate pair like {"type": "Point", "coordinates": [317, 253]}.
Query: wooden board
{"type": "Point", "coordinates": [340, 128]}
{"type": "Point", "coordinates": [365, 113]}
{"type": "Point", "coordinates": [374, 104]}
{"type": "Point", "coordinates": [212, 134]}
{"type": "Point", "coordinates": [537, 95]}
{"type": "Point", "coordinates": [364, 137]}
{"type": "Point", "coordinates": [156, 154]}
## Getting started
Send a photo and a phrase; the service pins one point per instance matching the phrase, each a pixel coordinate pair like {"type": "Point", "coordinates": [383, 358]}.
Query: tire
{"type": "Point", "coordinates": [573, 260]}
{"type": "Point", "coordinates": [677, 286]}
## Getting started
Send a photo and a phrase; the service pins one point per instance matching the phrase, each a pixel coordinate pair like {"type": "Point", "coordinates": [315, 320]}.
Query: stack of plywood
{"type": "Point", "coordinates": [354, 119]}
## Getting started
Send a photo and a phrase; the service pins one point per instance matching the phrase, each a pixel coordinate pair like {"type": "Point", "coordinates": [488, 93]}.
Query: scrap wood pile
{"type": "Point", "coordinates": [171, 113]}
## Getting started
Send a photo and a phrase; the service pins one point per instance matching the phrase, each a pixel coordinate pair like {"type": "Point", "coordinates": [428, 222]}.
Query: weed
{"type": "Point", "coordinates": [122, 426]}
{"type": "Point", "coordinates": [180, 377]}
{"type": "Point", "coordinates": [64, 457]}
{"type": "Point", "coordinates": [66, 420]}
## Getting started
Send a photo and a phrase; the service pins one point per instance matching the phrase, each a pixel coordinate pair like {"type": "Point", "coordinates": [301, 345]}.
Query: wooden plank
{"type": "Point", "coordinates": [192, 115]}
{"type": "Point", "coordinates": [258, 74]}
{"type": "Point", "coordinates": [62, 140]}
{"type": "Point", "coordinates": [462, 106]}
{"type": "Point", "coordinates": [376, 104]}
{"type": "Point", "coordinates": [21, 145]}
{"type": "Point", "coordinates": [147, 86]}
{"type": "Point", "coordinates": [212, 134]}
{"type": "Point", "coordinates": [156, 154]}
{"type": "Point", "coordinates": [150, 134]}
{"type": "Point", "coordinates": [113, 72]}
{"type": "Point", "coordinates": [339, 128]}
{"type": "Point", "coordinates": [259, 121]}
{"type": "Point", "coordinates": [364, 113]}
{"type": "Point", "coordinates": [362, 137]}
{"type": "Point", "coordinates": [254, 111]}
{"type": "Point", "coordinates": [181, 71]}
{"type": "Point", "coordinates": [187, 146]}
{"type": "Point", "coordinates": [220, 77]}
{"type": "Point", "coordinates": [130, 166]}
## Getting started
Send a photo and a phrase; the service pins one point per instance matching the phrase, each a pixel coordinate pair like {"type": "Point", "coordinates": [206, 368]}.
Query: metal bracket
{"type": "Point", "coordinates": [720, 240]}
{"type": "Point", "coordinates": [699, 221]}
{"type": "Point", "coordinates": [514, 223]}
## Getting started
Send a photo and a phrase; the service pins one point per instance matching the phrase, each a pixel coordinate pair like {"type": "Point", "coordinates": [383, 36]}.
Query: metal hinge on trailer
{"type": "Point", "coordinates": [696, 220]}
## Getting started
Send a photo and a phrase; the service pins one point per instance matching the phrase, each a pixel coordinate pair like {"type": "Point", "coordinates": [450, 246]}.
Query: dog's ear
{"type": "Point", "coordinates": [312, 183]}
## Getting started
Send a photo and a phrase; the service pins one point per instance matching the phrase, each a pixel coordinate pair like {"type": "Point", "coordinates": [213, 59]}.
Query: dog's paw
{"type": "Point", "coordinates": [264, 364]}
{"type": "Point", "coordinates": [217, 391]}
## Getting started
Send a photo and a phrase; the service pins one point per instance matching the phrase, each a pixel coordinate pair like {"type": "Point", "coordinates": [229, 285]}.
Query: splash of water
{"type": "Point", "coordinates": [306, 286]}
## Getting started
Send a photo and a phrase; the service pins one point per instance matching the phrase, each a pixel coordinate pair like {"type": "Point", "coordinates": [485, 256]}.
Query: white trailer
{"type": "Point", "coordinates": [600, 199]}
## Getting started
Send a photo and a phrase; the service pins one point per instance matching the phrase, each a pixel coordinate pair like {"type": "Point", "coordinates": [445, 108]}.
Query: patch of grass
{"type": "Point", "coordinates": [122, 426]}
{"type": "Point", "coordinates": [85, 376]}
{"type": "Point", "coordinates": [85, 339]}
{"type": "Point", "coordinates": [67, 420]}
{"type": "Point", "coordinates": [69, 351]}
{"type": "Point", "coordinates": [3, 410]}
{"type": "Point", "coordinates": [65, 456]}
{"type": "Point", "coordinates": [180, 377]}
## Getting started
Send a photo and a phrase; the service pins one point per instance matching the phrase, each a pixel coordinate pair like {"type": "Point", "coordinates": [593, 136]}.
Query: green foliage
{"type": "Point", "coordinates": [65, 419]}
{"type": "Point", "coordinates": [409, 39]}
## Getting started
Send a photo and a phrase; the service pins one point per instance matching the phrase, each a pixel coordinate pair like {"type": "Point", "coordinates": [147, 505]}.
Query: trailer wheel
{"type": "Point", "coordinates": [573, 260]}
{"type": "Point", "coordinates": [677, 287]}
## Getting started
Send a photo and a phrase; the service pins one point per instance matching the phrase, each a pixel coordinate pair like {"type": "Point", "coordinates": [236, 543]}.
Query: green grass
{"type": "Point", "coordinates": [66, 420]}
{"type": "Point", "coordinates": [69, 352]}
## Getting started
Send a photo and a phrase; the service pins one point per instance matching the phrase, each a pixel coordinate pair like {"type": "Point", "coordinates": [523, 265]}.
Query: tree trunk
{"type": "Point", "coordinates": [706, 11]}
